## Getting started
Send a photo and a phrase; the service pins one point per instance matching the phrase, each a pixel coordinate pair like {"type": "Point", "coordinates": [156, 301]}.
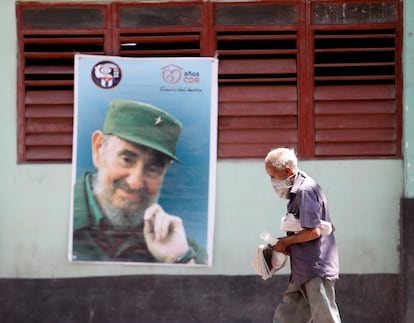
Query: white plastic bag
{"type": "Point", "coordinates": [266, 262]}
{"type": "Point", "coordinates": [278, 260]}
{"type": "Point", "coordinates": [290, 223]}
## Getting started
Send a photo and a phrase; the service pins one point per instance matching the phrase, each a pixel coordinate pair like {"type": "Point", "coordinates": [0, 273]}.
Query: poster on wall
{"type": "Point", "coordinates": [144, 160]}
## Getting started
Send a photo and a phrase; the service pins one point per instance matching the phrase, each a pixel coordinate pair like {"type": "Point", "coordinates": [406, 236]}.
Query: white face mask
{"type": "Point", "coordinates": [282, 186]}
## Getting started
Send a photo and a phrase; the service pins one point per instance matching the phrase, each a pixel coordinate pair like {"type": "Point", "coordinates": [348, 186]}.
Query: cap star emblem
{"type": "Point", "coordinates": [158, 120]}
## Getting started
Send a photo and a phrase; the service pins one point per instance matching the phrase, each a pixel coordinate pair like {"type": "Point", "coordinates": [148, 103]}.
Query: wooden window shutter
{"type": "Point", "coordinates": [158, 29]}
{"type": "Point", "coordinates": [357, 78]}
{"type": "Point", "coordinates": [49, 36]}
{"type": "Point", "coordinates": [323, 77]}
{"type": "Point", "coordinates": [258, 77]}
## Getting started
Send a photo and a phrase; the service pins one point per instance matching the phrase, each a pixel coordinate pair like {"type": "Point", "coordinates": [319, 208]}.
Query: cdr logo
{"type": "Point", "coordinates": [171, 73]}
{"type": "Point", "coordinates": [191, 77]}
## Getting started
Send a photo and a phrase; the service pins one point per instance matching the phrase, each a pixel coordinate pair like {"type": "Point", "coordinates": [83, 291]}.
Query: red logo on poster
{"type": "Point", "coordinates": [171, 73]}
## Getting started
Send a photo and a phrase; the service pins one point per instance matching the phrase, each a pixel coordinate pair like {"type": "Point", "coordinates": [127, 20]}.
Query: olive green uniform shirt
{"type": "Point", "coordinates": [93, 240]}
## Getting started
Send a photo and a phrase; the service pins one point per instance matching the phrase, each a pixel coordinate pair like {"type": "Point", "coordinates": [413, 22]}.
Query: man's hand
{"type": "Point", "coordinates": [305, 235]}
{"type": "Point", "coordinates": [281, 246]}
{"type": "Point", "coordinates": [164, 234]}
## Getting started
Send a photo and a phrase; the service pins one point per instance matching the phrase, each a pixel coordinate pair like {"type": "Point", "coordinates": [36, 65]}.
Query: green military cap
{"type": "Point", "coordinates": [143, 124]}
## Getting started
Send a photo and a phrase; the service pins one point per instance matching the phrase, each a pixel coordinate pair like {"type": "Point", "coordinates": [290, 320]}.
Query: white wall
{"type": "Point", "coordinates": [408, 104]}
{"type": "Point", "coordinates": [363, 197]}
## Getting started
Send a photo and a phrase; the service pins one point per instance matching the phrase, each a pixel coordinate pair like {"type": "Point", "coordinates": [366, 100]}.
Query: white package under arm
{"type": "Point", "coordinates": [292, 224]}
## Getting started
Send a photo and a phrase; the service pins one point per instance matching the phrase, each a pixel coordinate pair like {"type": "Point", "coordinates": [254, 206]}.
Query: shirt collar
{"type": "Point", "coordinates": [300, 177]}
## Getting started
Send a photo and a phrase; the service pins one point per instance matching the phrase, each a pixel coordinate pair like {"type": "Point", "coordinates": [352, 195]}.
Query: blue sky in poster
{"type": "Point", "coordinates": [186, 186]}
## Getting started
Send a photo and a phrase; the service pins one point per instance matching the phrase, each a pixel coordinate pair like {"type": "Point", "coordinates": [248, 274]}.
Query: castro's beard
{"type": "Point", "coordinates": [127, 217]}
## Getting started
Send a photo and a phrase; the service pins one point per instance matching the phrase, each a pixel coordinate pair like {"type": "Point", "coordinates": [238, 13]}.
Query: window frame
{"type": "Point", "coordinates": [208, 32]}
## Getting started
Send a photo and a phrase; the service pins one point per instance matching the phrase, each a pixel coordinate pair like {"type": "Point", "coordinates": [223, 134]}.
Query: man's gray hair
{"type": "Point", "coordinates": [281, 158]}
